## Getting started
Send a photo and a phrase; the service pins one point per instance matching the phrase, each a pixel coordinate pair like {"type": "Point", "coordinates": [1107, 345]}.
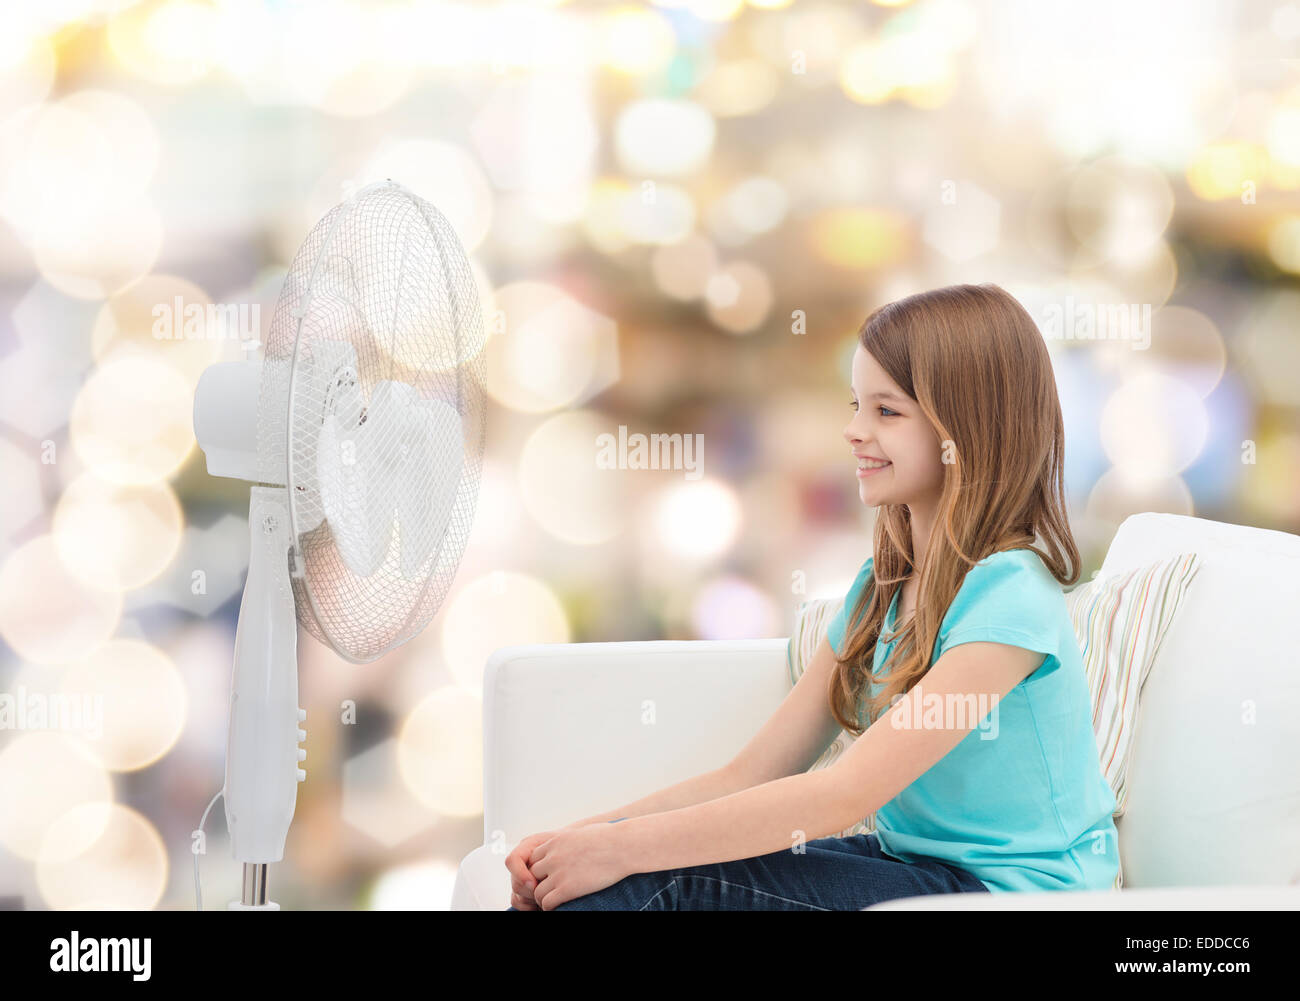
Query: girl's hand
{"type": "Point", "coordinates": [522, 882]}
{"type": "Point", "coordinates": [576, 861]}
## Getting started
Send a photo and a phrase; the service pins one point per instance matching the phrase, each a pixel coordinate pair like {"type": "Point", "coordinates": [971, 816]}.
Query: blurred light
{"type": "Point", "coordinates": [1081, 391]}
{"type": "Point", "coordinates": [207, 652]}
{"type": "Point", "coordinates": [539, 136]}
{"type": "Point", "coordinates": [75, 190]}
{"type": "Point", "coordinates": [115, 538]}
{"type": "Point", "coordinates": [1284, 135]}
{"type": "Point", "coordinates": [806, 43]}
{"type": "Point", "coordinates": [526, 229]}
{"type": "Point", "coordinates": [1119, 207]}
{"type": "Point", "coordinates": [547, 349]}
{"type": "Point", "coordinates": [337, 56]}
{"type": "Point", "coordinates": [860, 237]}
{"type": "Point", "coordinates": [440, 752]}
{"type": "Point", "coordinates": [709, 10]}
{"type": "Point", "coordinates": [102, 252]}
{"type": "Point", "coordinates": [416, 886]}
{"type": "Point", "coordinates": [1185, 344]}
{"type": "Point", "coordinates": [739, 87]}
{"type": "Point", "coordinates": [46, 614]}
{"type": "Point", "coordinates": [634, 40]}
{"type": "Point", "coordinates": [1285, 22]}
{"type": "Point", "coordinates": [1153, 279]}
{"type": "Point", "coordinates": [375, 799]}
{"type": "Point", "coordinates": [26, 70]}
{"type": "Point", "coordinates": [1270, 485]}
{"type": "Point", "coordinates": [1284, 243]}
{"type": "Point", "coordinates": [663, 137]}
{"type": "Point", "coordinates": [1222, 170]}
{"type": "Point", "coordinates": [125, 868]}
{"type": "Point", "coordinates": [498, 517]}
{"type": "Point", "coordinates": [966, 228]}
{"type": "Point", "coordinates": [1116, 496]}
{"type": "Point", "coordinates": [1096, 91]}
{"type": "Point", "coordinates": [602, 222]}
{"type": "Point", "coordinates": [23, 497]}
{"type": "Point", "coordinates": [501, 608]}
{"type": "Point", "coordinates": [739, 297]}
{"type": "Point", "coordinates": [52, 358]}
{"type": "Point", "coordinates": [169, 43]}
{"type": "Point", "coordinates": [755, 205]}
{"type": "Point", "coordinates": [1269, 348]}
{"type": "Point", "coordinates": [1152, 427]}
{"type": "Point", "coordinates": [660, 213]}
{"type": "Point", "coordinates": [144, 319]}
{"type": "Point", "coordinates": [902, 64]}
{"type": "Point", "coordinates": [143, 699]}
{"type": "Point", "coordinates": [207, 572]}
{"type": "Point", "coordinates": [1218, 470]}
{"type": "Point", "coordinates": [682, 270]}
{"type": "Point", "coordinates": [132, 423]}
{"type": "Point", "coordinates": [562, 485]}
{"type": "Point", "coordinates": [696, 521]}
{"type": "Point", "coordinates": [732, 608]}
{"type": "Point", "coordinates": [43, 775]}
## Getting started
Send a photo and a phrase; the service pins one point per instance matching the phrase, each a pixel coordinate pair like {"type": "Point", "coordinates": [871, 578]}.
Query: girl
{"type": "Point", "coordinates": [957, 438]}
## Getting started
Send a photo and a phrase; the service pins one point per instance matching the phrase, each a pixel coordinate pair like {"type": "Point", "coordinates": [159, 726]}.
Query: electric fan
{"type": "Point", "coordinates": [362, 428]}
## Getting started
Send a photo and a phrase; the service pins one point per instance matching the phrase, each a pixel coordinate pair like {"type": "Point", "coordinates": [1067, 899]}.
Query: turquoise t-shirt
{"type": "Point", "coordinates": [1021, 801]}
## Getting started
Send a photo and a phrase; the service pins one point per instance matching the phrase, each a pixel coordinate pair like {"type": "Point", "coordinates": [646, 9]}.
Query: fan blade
{"type": "Point", "coordinates": [327, 386]}
{"type": "Point", "coordinates": [434, 450]}
{"type": "Point", "coordinates": [348, 492]}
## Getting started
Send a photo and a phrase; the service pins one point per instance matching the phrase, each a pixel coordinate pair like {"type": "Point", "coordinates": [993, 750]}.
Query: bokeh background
{"type": "Point", "coordinates": [678, 214]}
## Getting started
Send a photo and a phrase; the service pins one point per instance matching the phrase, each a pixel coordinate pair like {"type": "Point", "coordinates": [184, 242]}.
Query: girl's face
{"type": "Point", "coordinates": [888, 426]}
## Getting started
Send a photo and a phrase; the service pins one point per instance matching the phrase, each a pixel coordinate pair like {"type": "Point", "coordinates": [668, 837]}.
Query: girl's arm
{"type": "Point", "coordinates": [698, 789]}
{"type": "Point", "coordinates": [894, 751]}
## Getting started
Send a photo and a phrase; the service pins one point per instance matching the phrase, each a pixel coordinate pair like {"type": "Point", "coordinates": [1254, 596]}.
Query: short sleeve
{"type": "Point", "coordinates": [1009, 597]}
{"type": "Point", "coordinates": [839, 621]}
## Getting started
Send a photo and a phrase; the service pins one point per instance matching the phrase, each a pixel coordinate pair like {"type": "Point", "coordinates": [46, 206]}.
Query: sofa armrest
{"type": "Point", "coordinates": [573, 729]}
{"type": "Point", "coordinates": [1162, 898]}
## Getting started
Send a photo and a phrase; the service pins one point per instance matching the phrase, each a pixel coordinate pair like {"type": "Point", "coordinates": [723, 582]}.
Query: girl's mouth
{"type": "Point", "coordinates": [872, 468]}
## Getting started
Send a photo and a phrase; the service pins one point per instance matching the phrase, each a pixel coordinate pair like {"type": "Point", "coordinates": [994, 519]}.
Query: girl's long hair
{"type": "Point", "coordinates": [977, 365]}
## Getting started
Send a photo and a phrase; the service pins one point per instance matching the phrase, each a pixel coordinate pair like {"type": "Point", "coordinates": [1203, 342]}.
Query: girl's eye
{"type": "Point", "coordinates": [891, 413]}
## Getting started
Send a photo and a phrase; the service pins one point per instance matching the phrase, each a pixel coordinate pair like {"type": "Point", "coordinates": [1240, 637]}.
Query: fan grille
{"type": "Point", "coordinates": [380, 291]}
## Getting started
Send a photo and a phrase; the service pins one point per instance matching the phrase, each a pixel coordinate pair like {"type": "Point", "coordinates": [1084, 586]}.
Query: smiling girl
{"type": "Point", "coordinates": [957, 437]}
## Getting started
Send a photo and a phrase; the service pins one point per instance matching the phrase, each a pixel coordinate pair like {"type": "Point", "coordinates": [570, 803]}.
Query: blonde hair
{"type": "Point", "coordinates": [976, 364]}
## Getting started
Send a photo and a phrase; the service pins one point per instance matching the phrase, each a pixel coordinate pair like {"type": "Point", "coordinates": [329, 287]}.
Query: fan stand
{"type": "Point", "coordinates": [262, 752]}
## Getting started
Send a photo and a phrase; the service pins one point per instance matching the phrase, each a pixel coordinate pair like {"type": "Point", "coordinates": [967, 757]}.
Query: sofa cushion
{"type": "Point", "coordinates": [1213, 786]}
{"type": "Point", "coordinates": [1120, 621]}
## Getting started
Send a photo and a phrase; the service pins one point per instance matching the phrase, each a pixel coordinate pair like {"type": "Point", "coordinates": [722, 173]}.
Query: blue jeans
{"type": "Point", "coordinates": [834, 874]}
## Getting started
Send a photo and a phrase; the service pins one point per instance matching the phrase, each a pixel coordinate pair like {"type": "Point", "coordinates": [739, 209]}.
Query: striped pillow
{"type": "Point", "coordinates": [1120, 622]}
{"type": "Point", "coordinates": [810, 624]}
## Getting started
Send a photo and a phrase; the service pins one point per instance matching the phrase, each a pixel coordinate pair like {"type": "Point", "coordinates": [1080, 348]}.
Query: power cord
{"type": "Point", "coordinates": [198, 895]}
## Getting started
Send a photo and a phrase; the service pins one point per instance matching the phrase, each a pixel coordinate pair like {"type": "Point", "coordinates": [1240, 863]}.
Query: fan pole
{"type": "Point", "coordinates": [262, 752]}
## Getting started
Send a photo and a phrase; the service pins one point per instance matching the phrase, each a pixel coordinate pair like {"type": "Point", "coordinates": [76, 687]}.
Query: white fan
{"type": "Point", "coordinates": [366, 418]}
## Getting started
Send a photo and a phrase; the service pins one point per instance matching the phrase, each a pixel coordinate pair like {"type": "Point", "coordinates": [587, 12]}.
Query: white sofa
{"type": "Point", "coordinates": [1213, 818]}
